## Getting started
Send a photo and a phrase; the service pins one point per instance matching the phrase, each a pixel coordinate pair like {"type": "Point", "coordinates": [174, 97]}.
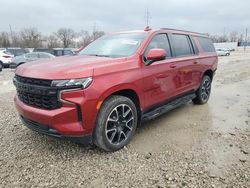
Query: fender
{"type": "Point", "coordinates": [120, 87]}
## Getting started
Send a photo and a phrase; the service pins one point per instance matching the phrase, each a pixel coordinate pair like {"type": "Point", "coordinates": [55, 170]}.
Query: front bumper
{"type": "Point", "coordinates": [47, 130]}
{"type": "Point", "coordinates": [63, 122]}
{"type": "Point", "coordinates": [6, 64]}
{"type": "Point", "coordinates": [13, 65]}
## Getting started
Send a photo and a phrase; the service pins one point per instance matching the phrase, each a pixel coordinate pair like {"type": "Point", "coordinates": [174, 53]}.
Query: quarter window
{"type": "Point", "coordinates": [206, 44]}
{"type": "Point", "coordinates": [181, 45]}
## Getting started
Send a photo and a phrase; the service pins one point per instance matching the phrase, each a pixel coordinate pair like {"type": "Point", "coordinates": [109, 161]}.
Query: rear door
{"type": "Point", "coordinates": [159, 76]}
{"type": "Point", "coordinates": [185, 57]}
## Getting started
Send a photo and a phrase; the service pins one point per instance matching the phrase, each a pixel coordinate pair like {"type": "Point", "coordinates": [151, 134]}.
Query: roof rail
{"type": "Point", "coordinates": [206, 34]}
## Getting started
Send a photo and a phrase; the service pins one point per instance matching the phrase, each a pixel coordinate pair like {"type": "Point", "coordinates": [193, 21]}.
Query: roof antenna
{"type": "Point", "coordinates": [147, 18]}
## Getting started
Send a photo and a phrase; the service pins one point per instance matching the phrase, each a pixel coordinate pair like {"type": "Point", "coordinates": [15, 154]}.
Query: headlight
{"type": "Point", "coordinates": [72, 83]}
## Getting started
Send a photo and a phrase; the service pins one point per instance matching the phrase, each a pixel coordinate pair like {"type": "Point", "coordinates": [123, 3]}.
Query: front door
{"type": "Point", "coordinates": [159, 84]}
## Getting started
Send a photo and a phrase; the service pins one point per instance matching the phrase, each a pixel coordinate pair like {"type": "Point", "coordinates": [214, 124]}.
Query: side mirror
{"type": "Point", "coordinates": [156, 54]}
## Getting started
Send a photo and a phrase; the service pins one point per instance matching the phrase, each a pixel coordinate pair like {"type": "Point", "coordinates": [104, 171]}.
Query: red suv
{"type": "Point", "coordinates": [104, 92]}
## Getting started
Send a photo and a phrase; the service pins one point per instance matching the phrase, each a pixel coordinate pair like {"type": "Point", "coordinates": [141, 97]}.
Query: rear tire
{"type": "Point", "coordinates": [116, 123]}
{"type": "Point", "coordinates": [1, 66]}
{"type": "Point", "coordinates": [203, 93]}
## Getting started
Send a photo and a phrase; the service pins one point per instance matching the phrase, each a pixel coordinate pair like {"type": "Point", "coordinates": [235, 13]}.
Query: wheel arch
{"type": "Point", "coordinates": [130, 92]}
{"type": "Point", "coordinates": [209, 73]}
{"type": "Point", "coordinates": [20, 63]}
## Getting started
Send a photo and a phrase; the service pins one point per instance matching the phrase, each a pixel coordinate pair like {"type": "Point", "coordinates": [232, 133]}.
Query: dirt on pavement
{"type": "Point", "coordinates": [191, 146]}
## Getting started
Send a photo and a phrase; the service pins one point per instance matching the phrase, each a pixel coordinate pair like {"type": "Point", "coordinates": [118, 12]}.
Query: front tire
{"type": "Point", "coordinates": [116, 123]}
{"type": "Point", "coordinates": [203, 93]}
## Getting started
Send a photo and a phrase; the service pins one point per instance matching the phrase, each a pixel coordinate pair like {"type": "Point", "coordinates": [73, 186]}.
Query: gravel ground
{"type": "Point", "coordinates": [192, 146]}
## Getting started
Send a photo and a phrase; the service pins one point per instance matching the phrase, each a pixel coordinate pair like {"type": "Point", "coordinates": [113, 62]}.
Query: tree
{"type": "Point", "coordinates": [15, 39]}
{"type": "Point", "coordinates": [223, 38]}
{"type": "Point", "coordinates": [66, 36]}
{"type": "Point", "coordinates": [219, 38]}
{"type": "Point", "coordinates": [30, 38]}
{"type": "Point", "coordinates": [4, 39]}
{"type": "Point", "coordinates": [52, 41]}
{"type": "Point", "coordinates": [241, 38]}
{"type": "Point", "coordinates": [84, 38]}
{"type": "Point", "coordinates": [233, 36]}
{"type": "Point", "coordinates": [97, 34]}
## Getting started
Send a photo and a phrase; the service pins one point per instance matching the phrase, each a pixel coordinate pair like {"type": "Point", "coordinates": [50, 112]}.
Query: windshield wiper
{"type": "Point", "coordinates": [98, 55]}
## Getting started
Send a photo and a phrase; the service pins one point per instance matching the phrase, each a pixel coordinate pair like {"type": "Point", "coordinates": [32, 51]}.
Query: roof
{"type": "Point", "coordinates": [147, 29]}
{"type": "Point", "coordinates": [185, 31]}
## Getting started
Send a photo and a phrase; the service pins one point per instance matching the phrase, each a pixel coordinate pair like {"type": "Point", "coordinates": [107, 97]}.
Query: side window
{"type": "Point", "coordinates": [159, 41]}
{"type": "Point", "coordinates": [31, 55]}
{"type": "Point", "coordinates": [206, 44]}
{"type": "Point", "coordinates": [59, 53]}
{"type": "Point", "coordinates": [43, 55]}
{"type": "Point", "coordinates": [68, 52]}
{"type": "Point", "coordinates": [196, 50]}
{"type": "Point", "coordinates": [7, 52]}
{"type": "Point", "coordinates": [181, 45]}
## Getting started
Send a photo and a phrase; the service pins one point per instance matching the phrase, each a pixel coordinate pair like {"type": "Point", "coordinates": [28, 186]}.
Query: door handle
{"type": "Point", "coordinates": [162, 76]}
{"type": "Point", "coordinates": [173, 66]}
{"type": "Point", "coordinates": [195, 62]}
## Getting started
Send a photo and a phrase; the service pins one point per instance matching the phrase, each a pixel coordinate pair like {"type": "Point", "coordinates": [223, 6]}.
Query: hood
{"type": "Point", "coordinates": [63, 67]}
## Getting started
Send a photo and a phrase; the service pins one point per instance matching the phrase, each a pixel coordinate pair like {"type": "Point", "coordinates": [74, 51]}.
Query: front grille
{"type": "Point", "coordinates": [37, 93]}
{"type": "Point", "coordinates": [33, 81]}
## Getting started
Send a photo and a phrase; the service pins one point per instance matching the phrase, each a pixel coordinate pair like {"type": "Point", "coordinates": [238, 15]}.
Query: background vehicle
{"type": "Point", "coordinates": [56, 51]}
{"type": "Point", "coordinates": [119, 80]}
{"type": "Point", "coordinates": [222, 52]}
{"type": "Point", "coordinates": [5, 58]}
{"type": "Point", "coordinates": [18, 60]}
{"type": "Point", "coordinates": [16, 51]}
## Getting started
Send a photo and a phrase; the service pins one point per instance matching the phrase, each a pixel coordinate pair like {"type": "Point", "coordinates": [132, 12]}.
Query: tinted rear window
{"type": "Point", "coordinates": [181, 45]}
{"type": "Point", "coordinates": [206, 44]}
{"type": "Point", "coordinates": [44, 50]}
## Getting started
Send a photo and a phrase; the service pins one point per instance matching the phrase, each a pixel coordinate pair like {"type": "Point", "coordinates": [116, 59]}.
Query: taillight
{"type": "Point", "coordinates": [6, 56]}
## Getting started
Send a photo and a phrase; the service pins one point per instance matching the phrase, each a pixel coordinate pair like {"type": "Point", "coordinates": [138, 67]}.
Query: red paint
{"type": "Point", "coordinates": [153, 84]}
{"type": "Point", "coordinates": [155, 54]}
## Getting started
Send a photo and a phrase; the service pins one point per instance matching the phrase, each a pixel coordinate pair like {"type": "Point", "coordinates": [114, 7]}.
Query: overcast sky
{"type": "Point", "coordinates": [207, 16]}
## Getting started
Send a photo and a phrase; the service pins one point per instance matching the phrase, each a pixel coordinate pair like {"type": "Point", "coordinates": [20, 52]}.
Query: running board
{"type": "Point", "coordinates": [167, 107]}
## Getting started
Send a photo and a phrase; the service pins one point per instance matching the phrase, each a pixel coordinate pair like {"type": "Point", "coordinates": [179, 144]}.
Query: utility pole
{"type": "Point", "coordinates": [94, 30]}
{"type": "Point", "coordinates": [245, 40]}
{"type": "Point", "coordinates": [11, 34]}
{"type": "Point", "coordinates": [147, 17]}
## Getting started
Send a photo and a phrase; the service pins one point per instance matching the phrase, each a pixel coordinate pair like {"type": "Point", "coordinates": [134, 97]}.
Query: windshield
{"type": "Point", "coordinates": [117, 45]}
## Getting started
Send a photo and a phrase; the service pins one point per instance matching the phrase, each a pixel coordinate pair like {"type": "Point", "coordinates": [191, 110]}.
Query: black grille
{"type": "Point", "coordinates": [37, 93]}
{"type": "Point", "coordinates": [33, 81]}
